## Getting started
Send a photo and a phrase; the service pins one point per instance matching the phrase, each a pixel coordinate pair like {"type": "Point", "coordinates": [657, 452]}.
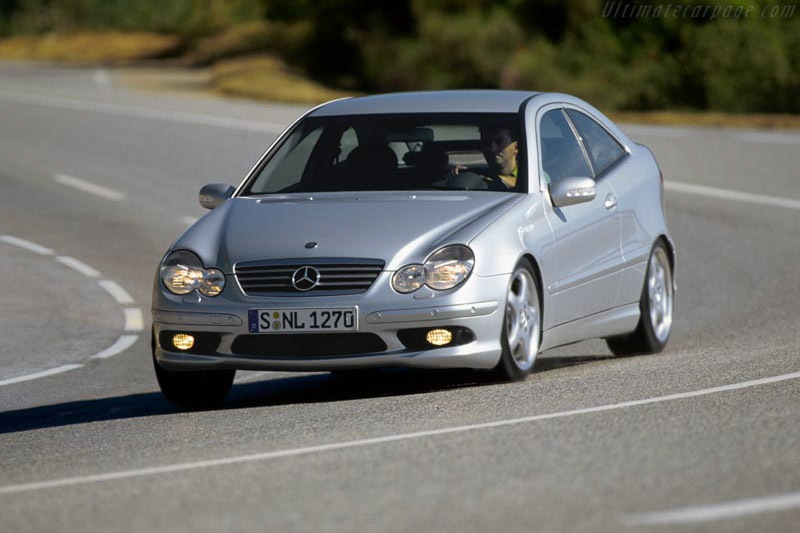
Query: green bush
{"type": "Point", "coordinates": [746, 64]}
{"type": "Point", "coordinates": [189, 18]}
{"type": "Point", "coordinates": [740, 65]}
{"type": "Point", "coordinates": [282, 39]}
{"type": "Point", "coordinates": [462, 50]}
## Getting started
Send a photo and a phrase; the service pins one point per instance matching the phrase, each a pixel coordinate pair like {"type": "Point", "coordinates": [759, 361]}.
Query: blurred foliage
{"type": "Point", "coordinates": [187, 18]}
{"type": "Point", "coordinates": [703, 61]}
{"type": "Point", "coordinates": [96, 47]}
{"type": "Point", "coordinates": [268, 78]}
{"type": "Point", "coordinates": [254, 37]}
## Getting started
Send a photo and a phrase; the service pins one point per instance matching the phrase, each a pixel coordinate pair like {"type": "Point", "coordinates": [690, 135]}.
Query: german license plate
{"type": "Point", "coordinates": [305, 320]}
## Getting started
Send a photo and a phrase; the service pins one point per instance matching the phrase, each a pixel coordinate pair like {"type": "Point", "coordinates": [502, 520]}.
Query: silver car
{"type": "Point", "coordinates": [454, 229]}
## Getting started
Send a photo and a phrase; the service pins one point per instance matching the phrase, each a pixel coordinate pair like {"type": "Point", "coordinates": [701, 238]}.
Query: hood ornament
{"type": "Point", "coordinates": [311, 245]}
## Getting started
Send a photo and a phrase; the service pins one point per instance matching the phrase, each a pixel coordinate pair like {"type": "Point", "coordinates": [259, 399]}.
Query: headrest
{"type": "Point", "coordinates": [372, 156]}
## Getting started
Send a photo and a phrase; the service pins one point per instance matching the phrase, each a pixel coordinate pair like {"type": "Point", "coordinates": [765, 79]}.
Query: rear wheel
{"type": "Point", "coordinates": [522, 326]}
{"type": "Point", "coordinates": [655, 323]}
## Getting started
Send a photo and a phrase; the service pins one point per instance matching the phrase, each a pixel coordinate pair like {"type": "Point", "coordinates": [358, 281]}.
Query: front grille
{"type": "Point", "coordinates": [289, 346]}
{"type": "Point", "coordinates": [336, 276]}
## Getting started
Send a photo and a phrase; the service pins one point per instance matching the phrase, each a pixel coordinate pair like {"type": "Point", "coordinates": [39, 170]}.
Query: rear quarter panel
{"type": "Point", "coordinates": [642, 217]}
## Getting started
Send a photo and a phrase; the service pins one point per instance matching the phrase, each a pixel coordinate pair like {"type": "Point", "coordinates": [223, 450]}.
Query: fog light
{"type": "Point", "coordinates": [439, 337]}
{"type": "Point", "coordinates": [183, 341]}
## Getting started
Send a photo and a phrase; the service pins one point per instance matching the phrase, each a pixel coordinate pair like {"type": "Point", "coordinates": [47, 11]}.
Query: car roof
{"type": "Point", "coordinates": [464, 101]}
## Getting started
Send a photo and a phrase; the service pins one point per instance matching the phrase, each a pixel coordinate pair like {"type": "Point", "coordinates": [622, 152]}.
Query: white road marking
{"type": "Point", "coordinates": [87, 186]}
{"type": "Point", "coordinates": [102, 79]}
{"type": "Point", "coordinates": [307, 450]}
{"type": "Point", "coordinates": [189, 220]}
{"type": "Point", "coordinates": [122, 344]}
{"type": "Point", "coordinates": [116, 291]}
{"type": "Point", "coordinates": [133, 316]}
{"type": "Point", "coordinates": [251, 377]}
{"type": "Point", "coordinates": [28, 245]}
{"type": "Point", "coordinates": [769, 137]}
{"type": "Point", "coordinates": [79, 266]}
{"type": "Point", "coordinates": [688, 133]}
{"type": "Point", "coordinates": [718, 511]}
{"type": "Point", "coordinates": [133, 319]}
{"type": "Point", "coordinates": [142, 112]}
{"type": "Point", "coordinates": [670, 132]}
{"type": "Point", "coordinates": [736, 196]}
{"type": "Point", "coordinates": [37, 375]}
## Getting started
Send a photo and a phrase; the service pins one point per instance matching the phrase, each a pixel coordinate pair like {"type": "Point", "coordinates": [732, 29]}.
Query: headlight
{"type": "Point", "coordinates": [409, 278]}
{"type": "Point", "coordinates": [444, 269]}
{"type": "Point", "coordinates": [448, 267]}
{"type": "Point", "coordinates": [182, 272]}
{"type": "Point", "coordinates": [213, 282]}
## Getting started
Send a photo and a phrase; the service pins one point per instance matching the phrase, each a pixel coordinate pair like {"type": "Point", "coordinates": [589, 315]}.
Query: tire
{"type": "Point", "coordinates": [656, 309]}
{"type": "Point", "coordinates": [194, 390]}
{"type": "Point", "coordinates": [521, 333]}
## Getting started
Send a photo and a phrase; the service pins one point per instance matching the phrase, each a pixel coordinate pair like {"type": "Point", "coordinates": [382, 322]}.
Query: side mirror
{"type": "Point", "coordinates": [214, 194]}
{"type": "Point", "coordinates": [571, 191]}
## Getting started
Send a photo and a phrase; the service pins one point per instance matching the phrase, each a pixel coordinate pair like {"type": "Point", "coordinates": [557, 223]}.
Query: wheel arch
{"type": "Point", "coordinates": [671, 255]}
{"type": "Point", "coordinates": [537, 271]}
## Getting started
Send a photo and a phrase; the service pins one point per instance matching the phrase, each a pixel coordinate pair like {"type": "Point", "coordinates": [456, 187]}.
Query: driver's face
{"type": "Point", "coordinates": [499, 149]}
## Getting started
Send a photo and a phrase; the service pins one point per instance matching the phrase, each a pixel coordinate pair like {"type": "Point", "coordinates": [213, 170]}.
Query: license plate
{"type": "Point", "coordinates": [305, 320]}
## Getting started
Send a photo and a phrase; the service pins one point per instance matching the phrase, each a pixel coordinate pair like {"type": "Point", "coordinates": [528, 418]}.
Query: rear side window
{"type": "Point", "coordinates": [562, 156]}
{"type": "Point", "coordinates": [603, 149]}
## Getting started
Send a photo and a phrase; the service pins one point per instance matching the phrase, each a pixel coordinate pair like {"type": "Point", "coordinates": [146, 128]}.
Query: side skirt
{"type": "Point", "coordinates": [617, 321]}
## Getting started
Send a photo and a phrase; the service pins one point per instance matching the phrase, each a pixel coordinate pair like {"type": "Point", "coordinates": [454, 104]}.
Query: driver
{"type": "Point", "coordinates": [500, 148]}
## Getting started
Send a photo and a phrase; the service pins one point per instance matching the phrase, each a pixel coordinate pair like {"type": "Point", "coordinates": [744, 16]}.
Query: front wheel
{"type": "Point", "coordinates": [655, 323]}
{"type": "Point", "coordinates": [522, 326]}
{"type": "Point", "coordinates": [194, 390]}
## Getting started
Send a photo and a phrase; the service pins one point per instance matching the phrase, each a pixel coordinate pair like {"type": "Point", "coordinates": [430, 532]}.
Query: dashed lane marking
{"type": "Point", "coordinates": [28, 245]}
{"type": "Point", "coordinates": [133, 319]}
{"type": "Point", "coordinates": [133, 315]}
{"type": "Point", "coordinates": [122, 344]}
{"type": "Point", "coordinates": [37, 375]}
{"type": "Point", "coordinates": [142, 112]}
{"type": "Point", "coordinates": [770, 137]}
{"type": "Point", "coordinates": [718, 511]}
{"type": "Point", "coordinates": [727, 194]}
{"type": "Point", "coordinates": [116, 291]}
{"type": "Point", "coordinates": [308, 450]}
{"type": "Point", "coordinates": [87, 186]}
{"type": "Point", "coordinates": [78, 266]}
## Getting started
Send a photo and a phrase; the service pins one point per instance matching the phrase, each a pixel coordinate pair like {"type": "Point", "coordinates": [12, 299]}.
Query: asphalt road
{"type": "Point", "coordinates": [97, 180]}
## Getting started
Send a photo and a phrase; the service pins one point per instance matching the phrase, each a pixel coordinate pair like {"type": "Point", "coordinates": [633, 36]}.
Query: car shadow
{"type": "Point", "coordinates": [283, 390]}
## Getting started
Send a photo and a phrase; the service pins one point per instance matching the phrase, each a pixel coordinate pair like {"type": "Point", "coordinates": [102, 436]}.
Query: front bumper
{"type": "Point", "coordinates": [477, 305]}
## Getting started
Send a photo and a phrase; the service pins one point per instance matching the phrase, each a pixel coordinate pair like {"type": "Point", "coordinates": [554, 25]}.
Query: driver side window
{"type": "Point", "coordinates": [561, 154]}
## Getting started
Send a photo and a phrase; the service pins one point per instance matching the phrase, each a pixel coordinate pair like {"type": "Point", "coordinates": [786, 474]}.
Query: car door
{"type": "Point", "coordinates": [611, 162]}
{"type": "Point", "coordinates": [587, 252]}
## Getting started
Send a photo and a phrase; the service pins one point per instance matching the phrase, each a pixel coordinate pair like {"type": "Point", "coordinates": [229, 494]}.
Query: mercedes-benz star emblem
{"type": "Point", "coordinates": [305, 278]}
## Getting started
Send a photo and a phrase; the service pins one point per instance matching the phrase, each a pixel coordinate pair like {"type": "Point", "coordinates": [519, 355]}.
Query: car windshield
{"type": "Point", "coordinates": [476, 151]}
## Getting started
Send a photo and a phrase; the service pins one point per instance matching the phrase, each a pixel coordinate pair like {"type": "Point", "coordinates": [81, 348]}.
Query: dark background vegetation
{"type": "Point", "coordinates": [746, 65]}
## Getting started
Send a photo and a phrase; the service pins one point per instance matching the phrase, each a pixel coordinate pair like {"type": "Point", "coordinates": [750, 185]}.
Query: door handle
{"type": "Point", "coordinates": [611, 201]}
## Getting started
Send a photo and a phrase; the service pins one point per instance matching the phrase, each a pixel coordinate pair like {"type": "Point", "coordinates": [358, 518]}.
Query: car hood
{"type": "Point", "coordinates": [397, 227]}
